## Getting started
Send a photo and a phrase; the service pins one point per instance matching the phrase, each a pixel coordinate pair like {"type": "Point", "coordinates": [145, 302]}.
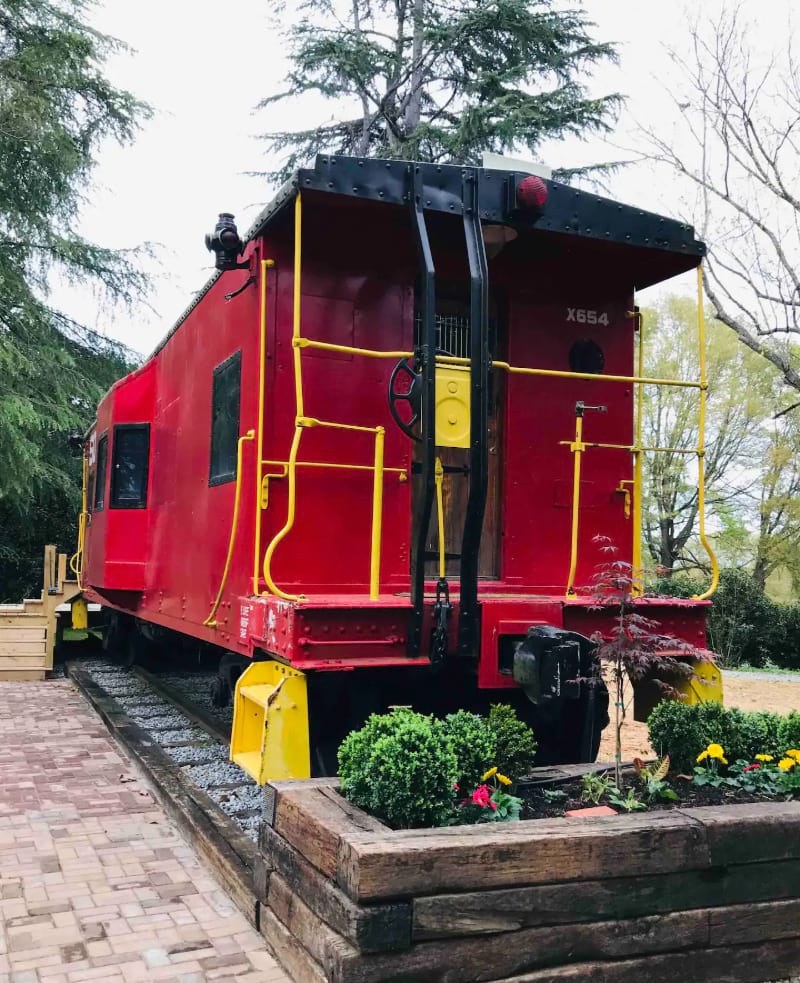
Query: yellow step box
{"type": "Point", "coordinates": [270, 723]}
{"type": "Point", "coordinates": [705, 686]}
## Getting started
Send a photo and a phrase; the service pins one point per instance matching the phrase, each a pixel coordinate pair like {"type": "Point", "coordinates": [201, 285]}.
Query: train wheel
{"type": "Point", "coordinates": [230, 667]}
{"type": "Point", "coordinates": [569, 732]}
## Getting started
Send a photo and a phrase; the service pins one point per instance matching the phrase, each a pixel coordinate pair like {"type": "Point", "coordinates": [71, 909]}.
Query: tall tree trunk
{"type": "Point", "coordinates": [363, 141]}
{"type": "Point", "coordinates": [414, 108]}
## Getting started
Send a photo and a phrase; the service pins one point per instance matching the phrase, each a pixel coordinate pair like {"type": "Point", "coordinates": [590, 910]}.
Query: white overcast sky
{"type": "Point", "coordinates": [204, 66]}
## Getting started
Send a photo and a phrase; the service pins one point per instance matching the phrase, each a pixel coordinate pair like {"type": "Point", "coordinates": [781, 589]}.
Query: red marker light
{"type": "Point", "coordinates": [532, 193]}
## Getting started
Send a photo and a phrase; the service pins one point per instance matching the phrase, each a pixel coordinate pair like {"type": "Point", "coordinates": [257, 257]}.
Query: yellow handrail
{"type": "Point", "coordinates": [377, 518]}
{"type": "Point", "coordinates": [287, 527]}
{"type": "Point", "coordinates": [298, 395]}
{"type": "Point", "coordinates": [402, 472]}
{"type": "Point", "coordinates": [505, 366]}
{"type": "Point", "coordinates": [701, 445]}
{"type": "Point", "coordinates": [638, 461]}
{"type": "Point", "coordinates": [325, 346]}
{"type": "Point", "coordinates": [262, 359]}
{"type": "Point", "coordinates": [439, 480]}
{"type": "Point", "coordinates": [76, 560]}
{"type": "Point", "coordinates": [211, 621]}
{"type": "Point", "coordinates": [591, 376]}
{"type": "Point", "coordinates": [577, 447]}
{"type": "Point", "coordinates": [631, 448]}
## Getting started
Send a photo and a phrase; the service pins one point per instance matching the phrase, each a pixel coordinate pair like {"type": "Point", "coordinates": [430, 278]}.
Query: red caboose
{"type": "Point", "coordinates": [374, 454]}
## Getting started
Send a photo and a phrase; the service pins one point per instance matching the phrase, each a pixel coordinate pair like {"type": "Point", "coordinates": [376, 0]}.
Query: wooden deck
{"type": "Point", "coordinates": [28, 629]}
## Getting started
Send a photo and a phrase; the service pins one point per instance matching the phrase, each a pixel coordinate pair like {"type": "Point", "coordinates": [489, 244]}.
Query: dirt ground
{"type": "Point", "coordinates": [740, 690]}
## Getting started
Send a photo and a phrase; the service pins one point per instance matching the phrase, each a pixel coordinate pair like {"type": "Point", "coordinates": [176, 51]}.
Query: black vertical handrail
{"type": "Point", "coordinates": [469, 610]}
{"type": "Point", "coordinates": [426, 354]}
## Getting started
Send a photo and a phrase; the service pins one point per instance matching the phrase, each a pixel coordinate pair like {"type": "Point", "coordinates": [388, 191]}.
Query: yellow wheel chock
{"type": "Point", "coordinates": [270, 723]}
{"type": "Point", "coordinates": [79, 611]}
{"type": "Point", "coordinates": [705, 686]}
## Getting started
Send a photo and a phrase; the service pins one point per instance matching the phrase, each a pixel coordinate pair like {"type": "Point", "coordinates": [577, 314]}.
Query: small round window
{"type": "Point", "coordinates": [586, 356]}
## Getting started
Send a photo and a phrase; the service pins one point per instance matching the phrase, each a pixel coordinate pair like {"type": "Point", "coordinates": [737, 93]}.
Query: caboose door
{"type": "Point", "coordinates": [453, 338]}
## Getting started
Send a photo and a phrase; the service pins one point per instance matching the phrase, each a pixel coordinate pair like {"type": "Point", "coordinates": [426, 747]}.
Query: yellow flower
{"type": "Point", "coordinates": [702, 756]}
{"type": "Point", "coordinates": [715, 751]}
{"type": "Point", "coordinates": [764, 757]}
{"type": "Point", "coordinates": [786, 764]}
{"type": "Point", "coordinates": [794, 753]}
{"type": "Point", "coordinates": [503, 780]}
{"type": "Point", "coordinates": [489, 774]}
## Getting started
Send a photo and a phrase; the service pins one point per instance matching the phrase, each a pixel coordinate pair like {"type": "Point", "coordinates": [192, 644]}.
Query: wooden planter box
{"type": "Point", "coordinates": [710, 894]}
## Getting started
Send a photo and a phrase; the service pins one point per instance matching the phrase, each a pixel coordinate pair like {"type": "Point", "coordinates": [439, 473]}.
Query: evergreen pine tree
{"type": "Point", "coordinates": [440, 80]}
{"type": "Point", "coordinates": [56, 106]}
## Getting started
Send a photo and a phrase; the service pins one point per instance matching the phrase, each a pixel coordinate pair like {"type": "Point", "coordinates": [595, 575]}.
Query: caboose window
{"type": "Point", "coordinates": [226, 392]}
{"type": "Point", "coordinates": [100, 474]}
{"type": "Point", "coordinates": [130, 466]}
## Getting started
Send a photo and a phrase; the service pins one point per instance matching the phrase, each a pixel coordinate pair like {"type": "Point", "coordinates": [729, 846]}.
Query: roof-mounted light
{"type": "Point", "coordinates": [531, 193]}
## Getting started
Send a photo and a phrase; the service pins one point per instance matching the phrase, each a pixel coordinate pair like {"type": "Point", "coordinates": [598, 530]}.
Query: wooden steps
{"type": "Point", "coordinates": [28, 629]}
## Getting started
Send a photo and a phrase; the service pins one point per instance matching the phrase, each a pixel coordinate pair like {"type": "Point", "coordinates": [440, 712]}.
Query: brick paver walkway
{"type": "Point", "coordinates": [95, 882]}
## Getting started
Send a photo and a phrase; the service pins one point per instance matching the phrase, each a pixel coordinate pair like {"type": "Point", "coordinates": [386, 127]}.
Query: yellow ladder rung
{"type": "Point", "coordinates": [260, 695]}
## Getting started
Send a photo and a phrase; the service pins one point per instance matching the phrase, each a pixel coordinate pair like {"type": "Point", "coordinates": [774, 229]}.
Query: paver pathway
{"type": "Point", "coordinates": [95, 882]}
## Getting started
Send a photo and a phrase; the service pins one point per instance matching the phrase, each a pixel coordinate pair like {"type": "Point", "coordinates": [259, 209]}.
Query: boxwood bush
{"type": "Point", "coordinates": [515, 749]}
{"type": "Point", "coordinates": [474, 745]}
{"type": "Point", "coordinates": [400, 767]}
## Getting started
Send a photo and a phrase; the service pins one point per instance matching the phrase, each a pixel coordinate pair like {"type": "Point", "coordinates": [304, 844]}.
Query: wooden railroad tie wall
{"type": "Point", "coordinates": [699, 894]}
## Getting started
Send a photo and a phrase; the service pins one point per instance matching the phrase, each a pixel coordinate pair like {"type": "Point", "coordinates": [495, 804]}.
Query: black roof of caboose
{"type": "Point", "coordinates": [662, 247]}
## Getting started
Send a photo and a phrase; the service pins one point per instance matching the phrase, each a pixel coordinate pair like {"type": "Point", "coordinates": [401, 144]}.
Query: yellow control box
{"type": "Point", "coordinates": [452, 406]}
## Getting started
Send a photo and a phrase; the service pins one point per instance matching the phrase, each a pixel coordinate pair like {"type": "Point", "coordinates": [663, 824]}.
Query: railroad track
{"type": "Point", "coordinates": [176, 714]}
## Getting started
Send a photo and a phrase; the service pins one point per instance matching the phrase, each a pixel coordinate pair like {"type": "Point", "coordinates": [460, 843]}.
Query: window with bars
{"type": "Point", "coordinates": [452, 326]}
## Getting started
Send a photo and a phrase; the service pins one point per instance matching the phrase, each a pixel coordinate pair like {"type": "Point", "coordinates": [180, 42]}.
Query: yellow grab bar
{"type": "Point", "coordinates": [76, 560]}
{"type": "Point", "coordinates": [577, 447]}
{"type": "Point", "coordinates": [637, 588]}
{"type": "Point", "coordinates": [325, 346]}
{"type": "Point", "coordinates": [439, 479]}
{"type": "Point", "coordinates": [701, 445]}
{"type": "Point", "coordinates": [287, 526]}
{"type": "Point", "coordinates": [377, 517]}
{"type": "Point", "coordinates": [402, 472]}
{"type": "Point", "coordinates": [291, 466]}
{"type": "Point", "coordinates": [210, 621]}
{"type": "Point", "coordinates": [266, 264]}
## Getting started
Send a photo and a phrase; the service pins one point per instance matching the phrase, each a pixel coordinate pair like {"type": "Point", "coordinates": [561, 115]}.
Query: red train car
{"type": "Point", "coordinates": [376, 450]}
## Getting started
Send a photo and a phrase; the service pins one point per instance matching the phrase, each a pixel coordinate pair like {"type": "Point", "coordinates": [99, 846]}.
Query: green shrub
{"type": "Point", "coordinates": [784, 639]}
{"type": "Point", "coordinates": [742, 621]}
{"type": "Point", "coordinates": [789, 733]}
{"type": "Point", "coordinates": [474, 745]}
{"type": "Point", "coordinates": [401, 768]}
{"type": "Point", "coordinates": [683, 731]}
{"type": "Point", "coordinates": [754, 732]}
{"type": "Point", "coordinates": [515, 751]}
{"type": "Point", "coordinates": [678, 585]}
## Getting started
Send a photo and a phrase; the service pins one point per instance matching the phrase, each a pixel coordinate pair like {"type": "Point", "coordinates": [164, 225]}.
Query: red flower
{"type": "Point", "coordinates": [456, 786]}
{"type": "Point", "coordinates": [751, 767]}
{"type": "Point", "coordinates": [481, 796]}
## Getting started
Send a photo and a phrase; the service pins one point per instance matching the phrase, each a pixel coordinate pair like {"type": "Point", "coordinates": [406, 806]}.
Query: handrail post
{"type": "Point", "coordinates": [76, 560]}
{"type": "Point", "coordinates": [298, 392]}
{"type": "Point", "coordinates": [377, 516]}
{"type": "Point", "coordinates": [638, 569]}
{"type": "Point", "coordinates": [211, 621]}
{"type": "Point", "coordinates": [262, 359]}
{"type": "Point", "coordinates": [577, 447]}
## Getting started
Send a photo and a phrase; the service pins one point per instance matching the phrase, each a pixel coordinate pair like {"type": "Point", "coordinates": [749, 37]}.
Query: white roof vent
{"type": "Point", "coordinates": [498, 162]}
